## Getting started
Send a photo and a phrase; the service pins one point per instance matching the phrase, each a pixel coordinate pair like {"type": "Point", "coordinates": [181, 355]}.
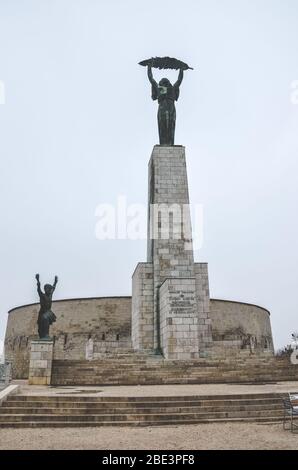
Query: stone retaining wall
{"type": "Point", "coordinates": [107, 321]}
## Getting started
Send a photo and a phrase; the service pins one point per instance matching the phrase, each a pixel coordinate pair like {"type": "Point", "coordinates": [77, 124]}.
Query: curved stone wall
{"type": "Point", "coordinates": [237, 325]}
{"type": "Point", "coordinates": [107, 321]}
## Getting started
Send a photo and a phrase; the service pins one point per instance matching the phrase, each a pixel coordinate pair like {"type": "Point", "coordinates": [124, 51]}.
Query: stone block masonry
{"type": "Point", "coordinates": [142, 308]}
{"type": "Point", "coordinates": [40, 366]}
{"type": "Point", "coordinates": [203, 307]}
{"type": "Point", "coordinates": [179, 333]}
{"type": "Point", "coordinates": [170, 301]}
{"type": "Point", "coordinates": [169, 227]}
{"type": "Point", "coordinates": [107, 320]}
{"type": "Point", "coordinates": [232, 322]}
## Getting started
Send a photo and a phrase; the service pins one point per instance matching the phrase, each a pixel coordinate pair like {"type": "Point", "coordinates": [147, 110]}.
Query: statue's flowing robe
{"type": "Point", "coordinates": [45, 317]}
{"type": "Point", "coordinates": [166, 96]}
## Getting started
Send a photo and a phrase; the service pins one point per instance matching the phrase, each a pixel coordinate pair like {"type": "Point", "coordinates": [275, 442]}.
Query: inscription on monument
{"type": "Point", "coordinates": [182, 303]}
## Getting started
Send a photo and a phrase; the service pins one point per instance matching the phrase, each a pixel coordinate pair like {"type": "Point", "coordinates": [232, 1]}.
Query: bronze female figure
{"type": "Point", "coordinates": [166, 94]}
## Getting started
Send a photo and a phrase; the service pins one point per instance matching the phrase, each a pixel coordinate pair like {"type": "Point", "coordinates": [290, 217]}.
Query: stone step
{"type": "Point", "coordinates": [162, 382]}
{"type": "Point", "coordinates": [136, 406]}
{"type": "Point", "coordinates": [136, 380]}
{"type": "Point", "coordinates": [65, 424]}
{"type": "Point", "coordinates": [66, 411]}
{"type": "Point", "coordinates": [154, 363]}
{"type": "Point", "coordinates": [111, 404]}
{"type": "Point", "coordinates": [162, 370]}
{"type": "Point", "coordinates": [149, 367]}
{"type": "Point", "coordinates": [127, 380]}
{"type": "Point", "coordinates": [175, 417]}
{"type": "Point", "coordinates": [162, 366]}
{"type": "Point", "coordinates": [145, 404]}
{"type": "Point", "coordinates": [195, 370]}
{"type": "Point", "coordinates": [193, 362]}
{"type": "Point", "coordinates": [181, 374]}
{"type": "Point", "coordinates": [100, 380]}
{"type": "Point", "coordinates": [164, 363]}
{"type": "Point", "coordinates": [153, 372]}
{"type": "Point", "coordinates": [200, 398]}
{"type": "Point", "coordinates": [54, 411]}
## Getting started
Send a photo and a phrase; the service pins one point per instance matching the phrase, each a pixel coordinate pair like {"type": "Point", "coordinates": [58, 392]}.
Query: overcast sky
{"type": "Point", "coordinates": [78, 126]}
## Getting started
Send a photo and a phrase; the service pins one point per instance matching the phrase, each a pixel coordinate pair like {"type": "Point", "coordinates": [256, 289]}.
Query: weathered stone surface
{"type": "Point", "coordinates": [240, 326]}
{"type": "Point", "coordinates": [40, 366]}
{"type": "Point", "coordinates": [203, 308]}
{"type": "Point", "coordinates": [142, 327]}
{"type": "Point", "coordinates": [144, 369]}
{"type": "Point", "coordinates": [254, 321]}
{"type": "Point", "coordinates": [170, 253]}
{"type": "Point", "coordinates": [107, 320]}
{"type": "Point", "coordinates": [179, 330]}
{"type": "Point", "coordinates": [65, 411]}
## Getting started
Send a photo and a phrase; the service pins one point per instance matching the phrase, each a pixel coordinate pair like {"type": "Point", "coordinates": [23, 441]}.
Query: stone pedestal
{"type": "Point", "coordinates": [170, 298]}
{"type": "Point", "coordinates": [40, 367]}
{"type": "Point", "coordinates": [142, 327]}
{"type": "Point", "coordinates": [179, 336]}
{"type": "Point", "coordinates": [169, 228]}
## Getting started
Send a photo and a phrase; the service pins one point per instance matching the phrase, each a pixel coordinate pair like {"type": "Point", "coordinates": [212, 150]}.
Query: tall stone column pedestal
{"type": "Point", "coordinates": [169, 244]}
{"type": "Point", "coordinates": [170, 295]}
{"type": "Point", "coordinates": [40, 366]}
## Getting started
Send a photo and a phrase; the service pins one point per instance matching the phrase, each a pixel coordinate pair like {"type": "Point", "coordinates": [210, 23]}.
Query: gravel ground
{"type": "Point", "coordinates": [196, 437]}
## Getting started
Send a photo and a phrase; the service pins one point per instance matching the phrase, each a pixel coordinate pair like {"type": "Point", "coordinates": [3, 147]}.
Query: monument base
{"type": "Point", "coordinates": [170, 292]}
{"type": "Point", "coordinates": [179, 331]}
{"type": "Point", "coordinates": [41, 358]}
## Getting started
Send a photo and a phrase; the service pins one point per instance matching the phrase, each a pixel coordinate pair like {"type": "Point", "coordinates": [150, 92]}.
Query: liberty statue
{"type": "Point", "coordinates": [166, 94]}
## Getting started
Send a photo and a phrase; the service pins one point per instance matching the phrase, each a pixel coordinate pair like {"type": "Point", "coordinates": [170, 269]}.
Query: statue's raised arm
{"type": "Point", "coordinates": [38, 284]}
{"type": "Point", "coordinates": [180, 78]}
{"type": "Point", "coordinates": [150, 76]}
{"type": "Point", "coordinates": [55, 282]}
{"type": "Point", "coordinates": [154, 92]}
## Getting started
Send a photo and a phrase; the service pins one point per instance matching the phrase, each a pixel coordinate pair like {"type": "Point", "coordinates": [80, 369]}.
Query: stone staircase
{"type": "Point", "coordinates": [144, 369]}
{"type": "Point", "coordinates": [79, 411]}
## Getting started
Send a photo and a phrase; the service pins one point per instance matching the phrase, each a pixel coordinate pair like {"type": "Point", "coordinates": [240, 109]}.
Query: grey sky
{"type": "Point", "coordinates": [79, 125]}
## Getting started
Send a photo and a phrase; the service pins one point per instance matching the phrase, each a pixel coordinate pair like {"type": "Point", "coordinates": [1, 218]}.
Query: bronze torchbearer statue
{"type": "Point", "coordinates": [166, 94]}
{"type": "Point", "coordinates": [45, 317]}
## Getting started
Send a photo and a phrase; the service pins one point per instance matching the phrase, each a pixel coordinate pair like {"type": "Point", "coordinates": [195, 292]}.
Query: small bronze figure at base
{"type": "Point", "coordinates": [45, 317]}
